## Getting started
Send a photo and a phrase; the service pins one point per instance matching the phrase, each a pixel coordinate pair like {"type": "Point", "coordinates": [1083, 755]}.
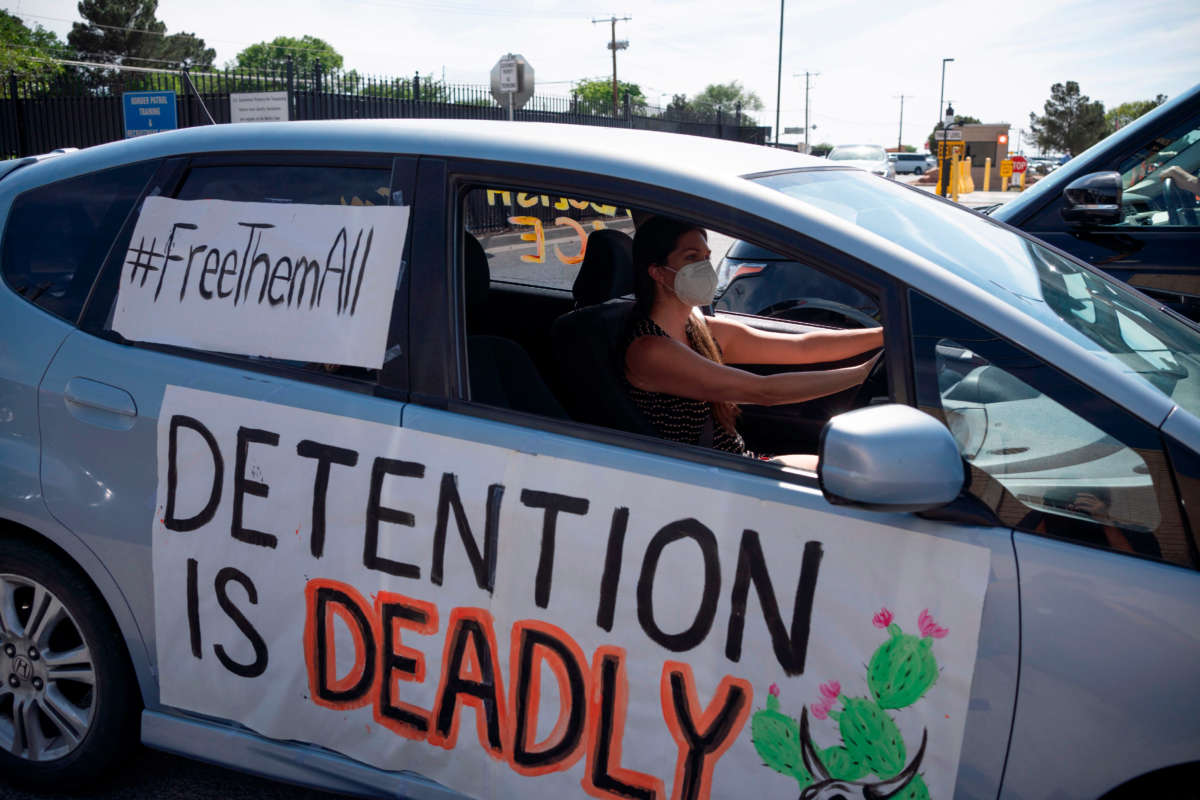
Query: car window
{"type": "Point", "coordinates": [306, 186]}
{"type": "Point", "coordinates": [57, 236]}
{"type": "Point", "coordinates": [1148, 198]}
{"type": "Point", "coordinates": [1048, 455]}
{"type": "Point", "coordinates": [534, 238]}
{"type": "Point", "coordinates": [1085, 305]}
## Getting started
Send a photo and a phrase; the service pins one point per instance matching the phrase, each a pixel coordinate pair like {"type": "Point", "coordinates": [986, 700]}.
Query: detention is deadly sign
{"type": "Point", "coordinates": [515, 625]}
{"type": "Point", "coordinates": [290, 281]}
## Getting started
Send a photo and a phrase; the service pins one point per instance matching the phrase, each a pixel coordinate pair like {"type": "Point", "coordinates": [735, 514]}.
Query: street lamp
{"type": "Point", "coordinates": [942, 92]}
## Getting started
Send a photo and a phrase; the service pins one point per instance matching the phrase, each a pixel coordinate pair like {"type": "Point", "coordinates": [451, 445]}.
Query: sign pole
{"type": "Point", "coordinates": [510, 107]}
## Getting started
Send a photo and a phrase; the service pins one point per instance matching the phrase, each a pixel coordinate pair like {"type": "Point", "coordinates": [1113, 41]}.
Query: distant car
{"type": "Point", "coordinates": [871, 157]}
{"type": "Point", "coordinates": [914, 163]}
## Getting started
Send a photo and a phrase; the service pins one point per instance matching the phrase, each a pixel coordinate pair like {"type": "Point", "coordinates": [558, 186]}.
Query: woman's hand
{"type": "Point", "coordinates": [1182, 177]}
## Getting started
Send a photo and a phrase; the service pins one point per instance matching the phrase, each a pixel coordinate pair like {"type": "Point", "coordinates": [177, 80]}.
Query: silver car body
{"type": "Point", "coordinates": [1087, 660]}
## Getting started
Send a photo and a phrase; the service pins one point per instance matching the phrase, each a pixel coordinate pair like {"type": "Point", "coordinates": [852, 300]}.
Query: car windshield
{"type": "Point", "coordinates": [858, 153]}
{"type": "Point", "coordinates": [1087, 307]}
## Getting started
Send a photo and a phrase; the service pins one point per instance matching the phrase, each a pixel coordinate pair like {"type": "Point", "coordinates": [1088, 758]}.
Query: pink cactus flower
{"type": "Point", "coordinates": [820, 710]}
{"type": "Point", "coordinates": [883, 618]}
{"type": "Point", "coordinates": [774, 690]}
{"type": "Point", "coordinates": [830, 691]}
{"type": "Point", "coordinates": [930, 628]}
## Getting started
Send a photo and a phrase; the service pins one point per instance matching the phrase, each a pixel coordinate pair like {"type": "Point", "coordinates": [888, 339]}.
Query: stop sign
{"type": "Point", "coordinates": [1019, 164]}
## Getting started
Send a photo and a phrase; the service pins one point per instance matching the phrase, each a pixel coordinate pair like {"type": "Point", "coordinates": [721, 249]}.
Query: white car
{"type": "Point", "coordinates": [871, 157]}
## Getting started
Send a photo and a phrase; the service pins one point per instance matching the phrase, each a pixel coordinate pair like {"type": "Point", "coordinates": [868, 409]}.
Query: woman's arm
{"type": "Point", "coordinates": [660, 364]}
{"type": "Point", "coordinates": [741, 344]}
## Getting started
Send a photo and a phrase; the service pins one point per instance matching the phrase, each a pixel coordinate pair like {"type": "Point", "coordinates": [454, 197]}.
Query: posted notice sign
{"type": "Point", "coordinates": [258, 107]}
{"type": "Point", "coordinates": [518, 625]}
{"type": "Point", "coordinates": [149, 112]}
{"type": "Point", "coordinates": [292, 281]}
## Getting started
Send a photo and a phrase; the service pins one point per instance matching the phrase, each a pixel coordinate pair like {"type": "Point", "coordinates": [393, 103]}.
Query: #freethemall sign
{"type": "Point", "coordinates": [516, 625]}
{"type": "Point", "coordinates": [292, 281]}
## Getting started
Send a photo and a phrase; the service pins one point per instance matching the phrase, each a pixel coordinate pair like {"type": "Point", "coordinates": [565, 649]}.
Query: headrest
{"type": "Point", "coordinates": [477, 277]}
{"type": "Point", "coordinates": [607, 268]}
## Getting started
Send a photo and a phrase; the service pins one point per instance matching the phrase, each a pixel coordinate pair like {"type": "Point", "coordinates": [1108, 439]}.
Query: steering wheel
{"type": "Point", "coordinates": [875, 383]}
{"type": "Point", "coordinates": [1173, 198]}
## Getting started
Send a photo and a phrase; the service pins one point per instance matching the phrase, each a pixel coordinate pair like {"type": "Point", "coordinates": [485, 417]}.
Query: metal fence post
{"type": "Point", "coordinates": [628, 111]}
{"type": "Point", "coordinates": [317, 107]}
{"type": "Point", "coordinates": [23, 148]}
{"type": "Point", "coordinates": [417, 87]}
{"type": "Point", "coordinates": [738, 123]}
{"type": "Point", "coordinates": [291, 88]}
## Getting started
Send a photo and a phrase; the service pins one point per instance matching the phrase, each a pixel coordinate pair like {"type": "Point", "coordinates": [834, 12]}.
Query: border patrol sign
{"type": "Point", "coordinates": [149, 112]}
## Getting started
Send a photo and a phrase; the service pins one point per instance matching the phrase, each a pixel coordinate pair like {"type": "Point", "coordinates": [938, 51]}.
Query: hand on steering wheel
{"type": "Point", "coordinates": [875, 384]}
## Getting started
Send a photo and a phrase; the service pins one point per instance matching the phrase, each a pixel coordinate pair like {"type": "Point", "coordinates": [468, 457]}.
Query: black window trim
{"type": "Point", "coordinates": [166, 181]}
{"type": "Point", "coordinates": [447, 391]}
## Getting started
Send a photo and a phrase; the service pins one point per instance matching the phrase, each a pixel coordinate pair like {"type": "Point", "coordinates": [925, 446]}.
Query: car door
{"type": "Point", "coordinates": [638, 553]}
{"type": "Point", "coordinates": [1107, 561]}
{"type": "Point", "coordinates": [101, 397]}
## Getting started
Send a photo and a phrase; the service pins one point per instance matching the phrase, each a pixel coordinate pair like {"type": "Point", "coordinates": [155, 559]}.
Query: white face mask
{"type": "Point", "coordinates": [695, 283]}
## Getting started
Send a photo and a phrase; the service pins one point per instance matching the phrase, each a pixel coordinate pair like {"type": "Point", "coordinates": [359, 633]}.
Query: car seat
{"type": "Point", "coordinates": [589, 342]}
{"type": "Point", "coordinates": [501, 372]}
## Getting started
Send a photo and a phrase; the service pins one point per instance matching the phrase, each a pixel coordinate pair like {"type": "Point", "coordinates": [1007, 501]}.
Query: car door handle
{"type": "Point", "coordinates": [100, 404]}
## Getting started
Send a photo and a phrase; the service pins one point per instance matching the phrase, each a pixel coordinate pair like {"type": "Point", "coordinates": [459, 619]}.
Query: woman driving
{"type": "Point", "coordinates": [675, 357]}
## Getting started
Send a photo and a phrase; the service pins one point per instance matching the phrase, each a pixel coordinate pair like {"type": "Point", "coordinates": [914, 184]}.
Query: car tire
{"type": "Point", "coordinates": [68, 705]}
{"type": "Point", "coordinates": [917, 171]}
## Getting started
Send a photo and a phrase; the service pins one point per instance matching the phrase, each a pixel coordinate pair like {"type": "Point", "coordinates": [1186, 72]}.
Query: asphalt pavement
{"type": "Point", "coordinates": [153, 774]}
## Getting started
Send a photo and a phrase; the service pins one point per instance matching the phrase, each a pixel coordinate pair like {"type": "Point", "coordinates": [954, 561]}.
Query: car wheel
{"type": "Point", "coordinates": [917, 171]}
{"type": "Point", "coordinates": [68, 709]}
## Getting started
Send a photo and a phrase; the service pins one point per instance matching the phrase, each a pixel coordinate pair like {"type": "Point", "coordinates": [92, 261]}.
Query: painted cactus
{"type": "Point", "coordinates": [900, 672]}
{"type": "Point", "coordinates": [870, 736]}
{"type": "Point", "coordinates": [776, 737]}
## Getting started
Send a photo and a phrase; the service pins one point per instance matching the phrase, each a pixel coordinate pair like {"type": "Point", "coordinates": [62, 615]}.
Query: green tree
{"type": "Point", "coordinates": [595, 96]}
{"type": "Point", "coordinates": [1072, 121]}
{"type": "Point", "coordinates": [305, 52]}
{"type": "Point", "coordinates": [935, 134]}
{"type": "Point", "coordinates": [1126, 113]}
{"type": "Point", "coordinates": [679, 106]}
{"type": "Point", "coordinates": [821, 150]}
{"type": "Point", "coordinates": [24, 50]}
{"type": "Point", "coordinates": [726, 97]}
{"type": "Point", "coordinates": [120, 31]}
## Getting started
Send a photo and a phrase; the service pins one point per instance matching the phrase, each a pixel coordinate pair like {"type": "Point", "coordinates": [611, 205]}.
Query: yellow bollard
{"type": "Point", "coordinates": [968, 180]}
{"type": "Point", "coordinates": [954, 177]}
{"type": "Point", "coordinates": [1021, 181]}
{"type": "Point", "coordinates": [987, 174]}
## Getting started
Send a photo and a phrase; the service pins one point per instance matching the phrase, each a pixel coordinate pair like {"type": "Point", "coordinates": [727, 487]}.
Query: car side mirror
{"type": "Point", "coordinates": [889, 458]}
{"type": "Point", "coordinates": [1093, 199]}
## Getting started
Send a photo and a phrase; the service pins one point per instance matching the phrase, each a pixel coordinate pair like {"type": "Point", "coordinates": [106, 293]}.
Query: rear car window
{"type": "Point", "coordinates": [57, 235]}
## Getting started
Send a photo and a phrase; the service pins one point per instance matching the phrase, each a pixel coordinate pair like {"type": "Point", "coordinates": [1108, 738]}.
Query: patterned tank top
{"type": "Point", "coordinates": [679, 419]}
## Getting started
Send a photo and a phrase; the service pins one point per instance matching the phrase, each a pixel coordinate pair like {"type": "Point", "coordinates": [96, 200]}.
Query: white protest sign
{"type": "Point", "coordinates": [293, 281]}
{"type": "Point", "coordinates": [516, 625]}
{"type": "Point", "coordinates": [258, 106]}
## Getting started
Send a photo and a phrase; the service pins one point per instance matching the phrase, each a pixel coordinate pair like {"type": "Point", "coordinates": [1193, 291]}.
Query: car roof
{"type": "Point", "coordinates": [620, 152]}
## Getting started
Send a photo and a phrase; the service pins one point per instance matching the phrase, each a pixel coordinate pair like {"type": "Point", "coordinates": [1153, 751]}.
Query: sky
{"type": "Point", "coordinates": [866, 53]}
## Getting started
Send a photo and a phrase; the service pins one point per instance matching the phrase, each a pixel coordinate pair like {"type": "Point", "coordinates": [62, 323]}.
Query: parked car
{"type": "Point", "coordinates": [871, 157]}
{"type": "Point", "coordinates": [1110, 207]}
{"type": "Point", "coordinates": [914, 163]}
{"type": "Point", "coordinates": [312, 468]}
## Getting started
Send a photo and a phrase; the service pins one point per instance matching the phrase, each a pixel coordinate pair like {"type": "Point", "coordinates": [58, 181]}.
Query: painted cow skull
{"type": "Point", "coordinates": [825, 787]}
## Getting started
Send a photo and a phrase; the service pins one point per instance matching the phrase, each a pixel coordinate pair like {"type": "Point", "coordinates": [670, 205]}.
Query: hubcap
{"type": "Point", "coordinates": [47, 703]}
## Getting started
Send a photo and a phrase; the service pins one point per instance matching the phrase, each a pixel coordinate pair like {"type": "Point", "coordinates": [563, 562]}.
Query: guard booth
{"type": "Point", "coordinates": [982, 142]}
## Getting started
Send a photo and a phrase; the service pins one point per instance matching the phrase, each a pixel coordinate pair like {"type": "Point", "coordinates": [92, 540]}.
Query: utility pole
{"type": "Point", "coordinates": [807, 75]}
{"type": "Point", "coordinates": [614, 45]}
{"type": "Point", "coordinates": [779, 73]}
{"type": "Point", "coordinates": [900, 136]}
